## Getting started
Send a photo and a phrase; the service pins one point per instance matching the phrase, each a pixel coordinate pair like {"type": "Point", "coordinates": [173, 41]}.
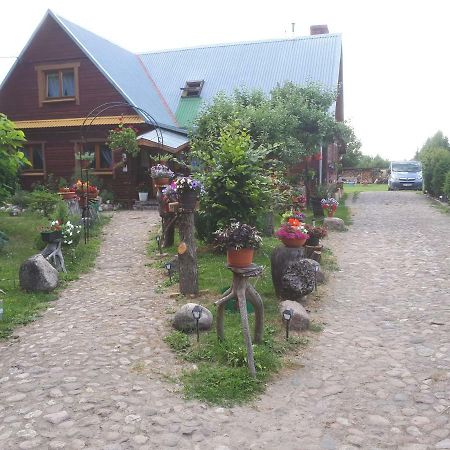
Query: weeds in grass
{"type": "Point", "coordinates": [316, 327]}
{"type": "Point", "coordinates": [329, 261]}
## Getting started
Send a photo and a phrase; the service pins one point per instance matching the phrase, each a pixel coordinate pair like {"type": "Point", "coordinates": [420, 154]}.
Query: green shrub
{"type": "Point", "coordinates": [447, 185]}
{"type": "Point", "coordinates": [21, 198]}
{"type": "Point", "coordinates": [433, 176]}
{"type": "Point", "coordinates": [440, 170]}
{"type": "Point", "coordinates": [177, 341]}
{"type": "Point", "coordinates": [3, 239]}
{"type": "Point", "coordinates": [42, 200]}
{"type": "Point", "coordinates": [234, 180]}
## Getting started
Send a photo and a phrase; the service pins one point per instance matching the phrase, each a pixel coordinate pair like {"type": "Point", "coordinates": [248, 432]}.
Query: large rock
{"type": "Point", "coordinates": [282, 257]}
{"type": "Point", "coordinates": [184, 321]}
{"type": "Point", "coordinates": [300, 318]}
{"type": "Point", "coordinates": [334, 223]}
{"type": "Point", "coordinates": [298, 280]}
{"type": "Point", "coordinates": [36, 274]}
{"type": "Point", "coordinates": [320, 276]}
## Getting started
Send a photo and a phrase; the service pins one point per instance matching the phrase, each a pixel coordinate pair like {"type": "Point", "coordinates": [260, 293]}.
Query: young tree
{"type": "Point", "coordinates": [11, 157]}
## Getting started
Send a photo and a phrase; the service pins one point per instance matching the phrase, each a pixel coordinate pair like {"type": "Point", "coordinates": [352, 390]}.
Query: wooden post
{"type": "Point", "coordinates": [168, 229]}
{"type": "Point", "coordinates": [187, 254]}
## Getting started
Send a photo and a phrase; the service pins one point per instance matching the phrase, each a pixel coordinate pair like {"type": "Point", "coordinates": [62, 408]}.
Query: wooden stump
{"type": "Point", "coordinates": [168, 229]}
{"type": "Point", "coordinates": [187, 255]}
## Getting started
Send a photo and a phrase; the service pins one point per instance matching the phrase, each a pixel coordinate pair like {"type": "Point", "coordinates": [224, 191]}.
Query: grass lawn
{"type": "Point", "coordinates": [23, 231]}
{"type": "Point", "coordinates": [222, 376]}
{"type": "Point", "coordinates": [351, 188]}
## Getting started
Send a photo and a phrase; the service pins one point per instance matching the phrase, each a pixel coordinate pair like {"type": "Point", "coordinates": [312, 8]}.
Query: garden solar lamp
{"type": "Point", "coordinates": [287, 316]}
{"type": "Point", "coordinates": [196, 314]}
{"type": "Point", "coordinates": [158, 243]}
{"type": "Point", "coordinates": [168, 266]}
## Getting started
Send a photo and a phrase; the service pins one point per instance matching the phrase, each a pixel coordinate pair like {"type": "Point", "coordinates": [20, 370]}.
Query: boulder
{"type": "Point", "coordinates": [184, 321]}
{"type": "Point", "coordinates": [36, 274]}
{"type": "Point", "coordinates": [298, 280]}
{"type": "Point", "coordinates": [300, 318]}
{"type": "Point", "coordinates": [320, 276]}
{"type": "Point", "coordinates": [334, 223]}
{"type": "Point", "coordinates": [282, 257]}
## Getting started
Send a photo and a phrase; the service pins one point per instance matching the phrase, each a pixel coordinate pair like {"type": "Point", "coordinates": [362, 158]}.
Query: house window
{"type": "Point", "coordinates": [35, 154]}
{"type": "Point", "coordinates": [192, 88]}
{"type": "Point", "coordinates": [58, 83]}
{"type": "Point", "coordinates": [103, 160]}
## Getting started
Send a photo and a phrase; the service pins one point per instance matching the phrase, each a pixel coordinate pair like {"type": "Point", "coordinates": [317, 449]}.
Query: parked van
{"type": "Point", "coordinates": [405, 175]}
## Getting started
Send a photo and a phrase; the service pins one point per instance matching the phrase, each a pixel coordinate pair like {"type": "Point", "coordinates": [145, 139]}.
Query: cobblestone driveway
{"type": "Point", "coordinates": [87, 374]}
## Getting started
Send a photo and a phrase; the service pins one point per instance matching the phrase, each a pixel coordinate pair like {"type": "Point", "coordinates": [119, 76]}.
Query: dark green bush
{"type": "Point", "coordinates": [440, 170]}
{"type": "Point", "coordinates": [3, 239]}
{"type": "Point", "coordinates": [447, 185]}
{"type": "Point", "coordinates": [42, 200]}
{"type": "Point", "coordinates": [21, 198]}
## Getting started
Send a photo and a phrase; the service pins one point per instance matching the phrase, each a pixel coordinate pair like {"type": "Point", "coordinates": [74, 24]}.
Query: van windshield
{"type": "Point", "coordinates": [406, 167]}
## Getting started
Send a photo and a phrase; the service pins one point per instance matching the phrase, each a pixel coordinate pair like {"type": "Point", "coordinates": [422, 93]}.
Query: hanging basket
{"type": "Point", "coordinates": [240, 258]}
{"type": "Point", "coordinates": [85, 163]}
{"type": "Point", "coordinates": [188, 200]}
{"type": "Point", "coordinates": [294, 243]}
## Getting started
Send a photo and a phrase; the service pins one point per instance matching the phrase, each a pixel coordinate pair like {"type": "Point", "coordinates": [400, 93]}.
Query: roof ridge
{"type": "Point", "coordinates": [233, 44]}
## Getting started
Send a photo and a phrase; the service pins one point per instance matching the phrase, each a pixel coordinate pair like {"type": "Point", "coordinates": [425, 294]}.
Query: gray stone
{"type": "Point", "coordinates": [334, 223]}
{"type": "Point", "coordinates": [36, 274]}
{"type": "Point", "coordinates": [184, 321]}
{"type": "Point", "coordinates": [443, 444]}
{"type": "Point", "coordinates": [57, 417]}
{"type": "Point", "coordinates": [300, 318]}
{"type": "Point", "coordinates": [320, 276]}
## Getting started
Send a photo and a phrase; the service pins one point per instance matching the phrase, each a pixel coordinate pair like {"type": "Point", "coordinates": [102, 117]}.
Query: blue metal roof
{"type": "Point", "coordinates": [123, 69]}
{"type": "Point", "coordinates": [253, 65]}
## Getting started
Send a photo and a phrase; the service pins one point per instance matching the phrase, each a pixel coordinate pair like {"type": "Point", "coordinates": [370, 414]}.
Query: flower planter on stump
{"type": "Point", "coordinates": [51, 236]}
{"type": "Point", "coordinates": [188, 200]}
{"type": "Point", "coordinates": [295, 243]}
{"type": "Point", "coordinates": [163, 181]}
{"type": "Point", "coordinates": [316, 206]}
{"type": "Point", "coordinates": [240, 258]}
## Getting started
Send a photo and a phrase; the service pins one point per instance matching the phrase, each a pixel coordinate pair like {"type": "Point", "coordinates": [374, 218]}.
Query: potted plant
{"type": "Point", "coordinates": [188, 192]}
{"type": "Point", "coordinates": [123, 138]}
{"type": "Point", "coordinates": [67, 193]}
{"type": "Point", "coordinates": [53, 233]}
{"type": "Point", "coordinates": [317, 194]}
{"type": "Point", "coordinates": [85, 191]}
{"type": "Point", "coordinates": [161, 174]}
{"type": "Point", "coordinates": [292, 234]}
{"type": "Point", "coordinates": [293, 215]}
{"type": "Point", "coordinates": [240, 241]}
{"type": "Point", "coordinates": [315, 234]}
{"type": "Point", "coordinates": [330, 205]}
{"type": "Point", "coordinates": [143, 192]}
{"type": "Point", "coordinates": [85, 159]}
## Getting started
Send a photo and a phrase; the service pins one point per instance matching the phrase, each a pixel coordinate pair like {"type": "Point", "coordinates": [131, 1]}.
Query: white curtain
{"type": "Point", "coordinates": [52, 85]}
{"type": "Point", "coordinates": [68, 81]}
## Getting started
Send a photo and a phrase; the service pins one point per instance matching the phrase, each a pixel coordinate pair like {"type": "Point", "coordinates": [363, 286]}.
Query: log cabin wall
{"type": "Point", "coordinates": [19, 96]}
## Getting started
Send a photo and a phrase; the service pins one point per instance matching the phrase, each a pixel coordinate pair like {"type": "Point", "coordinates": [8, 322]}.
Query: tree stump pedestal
{"type": "Point", "coordinates": [53, 251]}
{"type": "Point", "coordinates": [243, 290]}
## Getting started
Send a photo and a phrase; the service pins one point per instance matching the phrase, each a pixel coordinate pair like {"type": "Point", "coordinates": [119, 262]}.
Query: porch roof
{"type": "Point", "coordinates": [172, 142]}
{"type": "Point", "coordinates": [77, 122]}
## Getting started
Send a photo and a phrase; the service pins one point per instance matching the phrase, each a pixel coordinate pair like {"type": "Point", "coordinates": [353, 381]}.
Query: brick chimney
{"type": "Point", "coordinates": [319, 29]}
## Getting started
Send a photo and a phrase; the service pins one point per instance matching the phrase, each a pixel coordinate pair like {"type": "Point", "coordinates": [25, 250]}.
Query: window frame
{"type": "Point", "coordinates": [97, 149]}
{"type": "Point", "coordinates": [192, 89]}
{"type": "Point", "coordinates": [44, 69]}
{"type": "Point", "coordinates": [30, 147]}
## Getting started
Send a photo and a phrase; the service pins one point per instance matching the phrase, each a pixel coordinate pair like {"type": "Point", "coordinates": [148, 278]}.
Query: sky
{"type": "Point", "coordinates": [396, 52]}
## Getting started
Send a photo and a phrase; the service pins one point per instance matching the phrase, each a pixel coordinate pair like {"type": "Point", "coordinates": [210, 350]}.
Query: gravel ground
{"type": "Point", "coordinates": [88, 374]}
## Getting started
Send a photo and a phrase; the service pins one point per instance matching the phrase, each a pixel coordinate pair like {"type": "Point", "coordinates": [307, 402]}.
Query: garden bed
{"type": "Point", "coordinates": [21, 307]}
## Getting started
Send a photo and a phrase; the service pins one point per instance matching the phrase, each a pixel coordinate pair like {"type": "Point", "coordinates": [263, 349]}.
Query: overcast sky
{"type": "Point", "coordinates": [396, 53]}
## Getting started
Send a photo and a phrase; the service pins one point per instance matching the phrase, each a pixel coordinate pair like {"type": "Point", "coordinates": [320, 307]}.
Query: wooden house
{"type": "Point", "coordinates": [65, 72]}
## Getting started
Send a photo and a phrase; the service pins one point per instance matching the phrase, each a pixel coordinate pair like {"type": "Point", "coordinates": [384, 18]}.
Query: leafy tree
{"type": "Point", "coordinates": [432, 159]}
{"type": "Point", "coordinates": [436, 141]}
{"type": "Point", "coordinates": [11, 157]}
{"type": "Point", "coordinates": [440, 170]}
{"type": "Point", "coordinates": [291, 123]}
{"type": "Point", "coordinates": [447, 185]}
{"type": "Point", "coordinates": [234, 179]}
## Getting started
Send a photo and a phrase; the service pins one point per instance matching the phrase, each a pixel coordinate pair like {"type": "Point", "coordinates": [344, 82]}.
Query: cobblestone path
{"type": "Point", "coordinates": [87, 374]}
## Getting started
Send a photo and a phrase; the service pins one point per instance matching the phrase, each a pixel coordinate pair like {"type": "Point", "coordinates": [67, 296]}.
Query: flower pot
{"type": "Point", "coordinates": [293, 242]}
{"type": "Point", "coordinates": [162, 181]}
{"type": "Point", "coordinates": [143, 196]}
{"type": "Point", "coordinates": [68, 195]}
{"type": "Point", "coordinates": [240, 258]}
{"type": "Point", "coordinates": [313, 241]}
{"type": "Point", "coordinates": [85, 163]}
{"type": "Point", "coordinates": [188, 200]}
{"type": "Point", "coordinates": [51, 236]}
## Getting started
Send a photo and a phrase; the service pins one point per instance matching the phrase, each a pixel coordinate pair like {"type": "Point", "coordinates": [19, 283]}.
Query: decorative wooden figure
{"type": "Point", "coordinates": [243, 290]}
